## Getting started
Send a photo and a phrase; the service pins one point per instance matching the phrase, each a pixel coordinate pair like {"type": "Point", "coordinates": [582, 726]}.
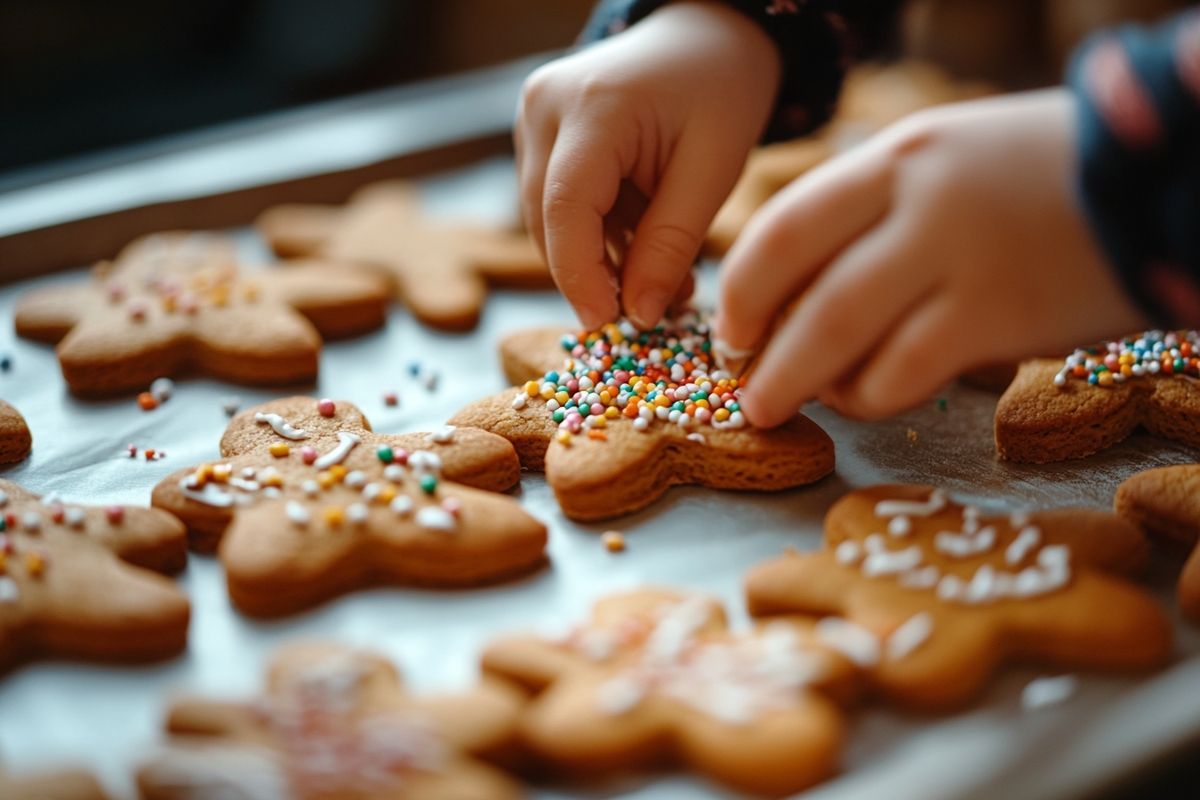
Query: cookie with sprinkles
{"type": "Point", "coordinates": [334, 721]}
{"type": "Point", "coordinates": [617, 416]}
{"type": "Point", "coordinates": [72, 784]}
{"type": "Point", "coordinates": [930, 597]}
{"type": "Point", "coordinates": [284, 447]}
{"type": "Point", "coordinates": [309, 504]}
{"type": "Point", "coordinates": [173, 303]}
{"type": "Point", "coordinates": [441, 270]}
{"type": "Point", "coordinates": [1165, 503]}
{"type": "Point", "coordinates": [655, 676]}
{"type": "Point", "coordinates": [1056, 410]}
{"type": "Point", "coordinates": [82, 582]}
{"type": "Point", "coordinates": [15, 439]}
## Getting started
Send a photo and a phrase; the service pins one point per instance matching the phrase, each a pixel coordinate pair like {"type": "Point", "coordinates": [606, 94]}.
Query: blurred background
{"type": "Point", "coordinates": [80, 76]}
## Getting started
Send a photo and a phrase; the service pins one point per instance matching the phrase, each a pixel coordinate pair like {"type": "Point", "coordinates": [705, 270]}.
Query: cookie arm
{"type": "Point", "coordinates": [339, 303]}
{"type": "Point", "coordinates": [298, 230]}
{"type": "Point", "coordinates": [231, 720]}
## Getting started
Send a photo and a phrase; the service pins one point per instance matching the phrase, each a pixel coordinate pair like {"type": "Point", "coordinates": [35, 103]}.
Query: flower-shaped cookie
{"type": "Point", "coordinates": [1165, 502]}
{"type": "Point", "coordinates": [655, 675]}
{"type": "Point", "coordinates": [310, 504]}
{"type": "Point", "coordinates": [80, 582]}
{"type": "Point", "coordinates": [15, 439]}
{"type": "Point", "coordinates": [440, 270]}
{"type": "Point", "coordinates": [176, 302]}
{"type": "Point", "coordinates": [337, 722]}
{"type": "Point", "coordinates": [931, 597]}
{"type": "Point", "coordinates": [617, 417]}
{"type": "Point", "coordinates": [1056, 410]}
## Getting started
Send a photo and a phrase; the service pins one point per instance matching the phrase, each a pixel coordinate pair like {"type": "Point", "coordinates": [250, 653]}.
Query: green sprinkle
{"type": "Point", "coordinates": [428, 484]}
{"type": "Point", "coordinates": [385, 454]}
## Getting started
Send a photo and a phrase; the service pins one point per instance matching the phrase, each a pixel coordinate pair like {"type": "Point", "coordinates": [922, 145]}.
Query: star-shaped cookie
{"type": "Point", "coordinates": [177, 302]}
{"type": "Point", "coordinates": [337, 722]}
{"type": "Point", "coordinates": [1056, 410]}
{"type": "Point", "coordinates": [1165, 503]}
{"type": "Point", "coordinates": [617, 417]}
{"type": "Point", "coordinates": [931, 597]}
{"type": "Point", "coordinates": [440, 270]}
{"type": "Point", "coordinates": [308, 507]}
{"type": "Point", "coordinates": [15, 438]}
{"type": "Point", "coordinates": [80, 582]}
{"type": "Point", "coordinates": [655, 675]}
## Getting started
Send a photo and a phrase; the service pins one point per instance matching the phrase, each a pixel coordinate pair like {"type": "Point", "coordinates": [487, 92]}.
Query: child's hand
{"type": "Point", "coordinates": [673, 105]}
{"type": "Point", "coordinates": [951, 240]}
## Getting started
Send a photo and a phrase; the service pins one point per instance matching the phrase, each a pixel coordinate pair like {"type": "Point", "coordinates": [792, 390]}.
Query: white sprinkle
{"type": "Point", "coordinates": [520, 400]}
{"type": "Point", "coordinates": [281, 426]}
{"type": "Point", "coordinates": [847, 552]}
{"type": "Point", "coordinates": [31, 521]}
{"type": "Point", "coordinates": [52, 499]}
{"type": "Point", "coordinates": [357, 513]}
{"type": "Point", "coordinates": [371, 491]}
{"type": "Point", "coordinates": [162, 389]}
{"type": "Point", "coordinates": [9, 592]}
{"type": "Point", "coordinates": [909, 636]}
{"type": "Point", "coordinates": [310, 487]}
{"type": "Point", "coordinates": [356, 479]}
{"type": "Point", "coordinates": [248, 473]}
{"type": "Point", "coordinates": [924, 578]}
{"type": "Point", "coordinates": [890, 562]}
{"type": "Point", "coordinates": [1042, 692]}
{"type": "Point", "coordinates": [640, 424]}
{"type": "Point", "coordinates": [3, 498]}
{"type": "Point", "coordinates": [401, 505]}
{"type": "Point", "coordinates": [912, 508]}
{"type": "Point", "coordinates": [437, 518]}
{"type": "Point", "coordinates": [1019, 519]}
{"type": "Point", "coordinates": [1019, 547]}
{"type": "Point", "coordinates": [442, 435]}
{"type": "Point", "coordinates": [297, 513]}
{"type": "Point", "coordinates": [272, 493]}
{"type": "Point", "coordinates": [959, 545]}
{"type": "Point", "coordinates": [853, 641]}
{"type": "Point", "coordinates": [425, 462]}
{"type": "Point", "coordinates": [210, 494]}
{"type": "Point", "coordinates": [75, 516]}
{"type": "Point", "coordinates": [394, 473]}
{"type": "Point", "coordinates": [696, 437]}
{"type": "Point", "coordinates": [900, 526]}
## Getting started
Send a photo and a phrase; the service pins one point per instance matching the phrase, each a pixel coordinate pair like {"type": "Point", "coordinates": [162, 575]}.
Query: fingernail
{"type": "Point", "coordinates": [591, 317]}
{"type": "Point", "coordinates": [649, 308]}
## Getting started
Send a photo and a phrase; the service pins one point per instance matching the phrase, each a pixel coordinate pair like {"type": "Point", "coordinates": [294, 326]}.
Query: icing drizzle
{"type": "Point", "coordinates": [281, 426]}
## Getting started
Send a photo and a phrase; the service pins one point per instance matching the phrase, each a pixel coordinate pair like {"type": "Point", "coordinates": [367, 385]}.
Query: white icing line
{"type": "Point", "coordinates": [1042, 692]}
{"type": "Point", "coordinates": [346, 443]}
{"type": "Point", "coordinates": [210, 494]}
{"type": "Point", "coordinates": [1019, 547]}
{"type": "Point", "coordinates": [891, 562]}
{"type": "Point", "coordinates": [900, 526]}
{"type": "Point", "coordinates": [443, 435]}
{"type": "Point", "coordinates": [960, 545]}
{"type": "Point", "coordinates": [855, 642]}
{"type": "Point", "coordinates": [437, 518]}
{"type": "Point", "coordinates": [425, 461]}
{"type": "Point", "coordinates": [912, 508]}
{"type": "Point", "coordinates": [281, 426]}
{"type": "Point", "coordinates": [909, 636]}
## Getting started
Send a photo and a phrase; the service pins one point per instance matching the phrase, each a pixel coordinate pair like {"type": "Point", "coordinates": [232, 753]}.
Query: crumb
{"type": "Point", "coordinates": [614, 541]}
{"type": "Point", "coordinates": [912, 436]}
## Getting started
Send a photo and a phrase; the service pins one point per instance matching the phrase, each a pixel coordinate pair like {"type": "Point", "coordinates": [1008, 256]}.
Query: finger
{"type": "Point", "coordinates": [670, 233]}
{"type": "Point", "coordinates": [580, 188]}
{"type": "Point", "coordinates": [621, 221]}
{"type": "Point", "coordinates": [846, 312]}
{"type": "Point", "coordinates": [923, 354]}
{"type": "Point", "coordinates": [793, 236]}
{"type": "Point", "coordinates": [686, 290]}
{"type": "Point", "coordinates": [533, 151]}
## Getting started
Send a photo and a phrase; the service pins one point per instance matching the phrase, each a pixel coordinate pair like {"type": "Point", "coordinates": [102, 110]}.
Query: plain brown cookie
{"type": "Point", "coordinates": [1038, 422]}
{"type": "Point", "coordinates": [628, 469]}
{"type": "Point", "coordinates": [1165, 503]}
{"type": "Point", "coordinates": [15, 439]}
{"type": "Point", "coordinates": [656, 677]}
{"type": "Point", "coordinates": [335, 722]}
{"type": "Point", "coordinates": [80, 582]}
{"type": "Point", "coordinates": [61, 785]}
{"type": "Point", "coordinates": [365, 511]}
{"type": "Point", "coordinates": [930, 597]}
{"type": "Point", "coordinates": [471, 457]}
{"type": "Point", "coordinates": [440, 270]}
{"type": "Point", "coordinates": [176, 302]}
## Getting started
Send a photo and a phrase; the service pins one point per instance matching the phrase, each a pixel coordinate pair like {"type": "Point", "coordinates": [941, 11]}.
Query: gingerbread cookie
{"type": "Point", "coordinates": [655, 676]}
{"type": "Point", "coordinates": [1165, 503]}
{"type": "Point", "coordinates": [337, 722]}
{"type": "Point", "coordinates": [1058, 410]}
{"type": "Point", "coordinates": [440, 270]}
{"type": "Point", "coordinates": [15, 439]}
{"type": "Point", "coordinates": [61, 785]}
{"type": "Point", "coordinates": [617, 417]}
{"type": "Point", "coordinates": [310, 505]}
{"type": "Point", "coordinates": [177, 302]}
{"type": "Point", "coordinates": [80, 582]}
{"type": "Point", "coordinates": [931, 597]}
{"type": "Point", "coordinates": [283, 443]}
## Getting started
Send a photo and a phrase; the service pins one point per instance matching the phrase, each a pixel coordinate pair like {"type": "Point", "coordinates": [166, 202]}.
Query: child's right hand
{"type": "Point", "coordinates": [672, 105]}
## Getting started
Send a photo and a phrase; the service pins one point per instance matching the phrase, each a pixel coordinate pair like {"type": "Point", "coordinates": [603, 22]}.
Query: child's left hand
{"type": "Point", "coordinates": [949, 241]}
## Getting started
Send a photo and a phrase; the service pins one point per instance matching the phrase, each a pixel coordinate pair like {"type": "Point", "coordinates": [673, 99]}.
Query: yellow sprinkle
{"type": "Point", "coordinates": [221, 473]}
{"type": "Point", "coordinates": [338, 472]}
{"type": "Point", "coordinates": [611, 412]}
{"type": "Point", "coordinates": [386, 495]}
{"type": "Point", "coordinates": [325, 479]}
{"type": "Point", "coordinates": [599, 422]}
{"type": "Point", "coordinates": [547, 391]}
{"type": "Point", "coordinates": [562, 398]}
{"type": "Point", "coordinates": [614, 541]}
{"type": "Point", "coordinates": [272, 479]}
{"type": "Point", "coordinates": [279, 449]}
{"type": "Point", "coordinates": [333, 516]}
{"type": "Point", "coordinates": [532, 388]}
{"type": "Point", "coordinates": [35, 565]}
{"type": "Point", "coordinates": [563, 437]}
{"type": "Point", "coordinates": [721, 414]}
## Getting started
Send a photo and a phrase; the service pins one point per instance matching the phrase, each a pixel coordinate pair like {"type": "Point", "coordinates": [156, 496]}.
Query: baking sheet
{"type": "Point", "coordinates": [109, 717]}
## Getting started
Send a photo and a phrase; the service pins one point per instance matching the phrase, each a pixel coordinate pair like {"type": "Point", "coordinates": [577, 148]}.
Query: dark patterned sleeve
{"type": "Point", "coordinates": [1138, 101]}
{"type": "Point", "coordinates": [817, 39]}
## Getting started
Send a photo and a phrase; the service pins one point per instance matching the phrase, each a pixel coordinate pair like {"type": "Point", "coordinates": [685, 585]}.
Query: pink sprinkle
{"type": "Point", "coordinates": [572, 385]}
{"type": "Point", "coordinates": [114, 514]}
{"type": "Point", "coordinates": [598, 409]}
{"type": "Point", "coordinates": [400, 456]}
{"type": "Point", "coordinates": [132, 450]}
{"type": "Point", "coordinates": [308, 454]}
{"type": "Point", "coordinates": [325, 407]}
{"type": "Point", "coordinates": [57, 512]}
{"type": "Point", "coordinates": [452, 505]}
{"type": "Point", "coordinates": [620, 376]}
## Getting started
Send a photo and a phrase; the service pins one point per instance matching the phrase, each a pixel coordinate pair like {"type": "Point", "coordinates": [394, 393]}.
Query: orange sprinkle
{"type": "Point", "coordinates": [279, 449]}
{"type": "Point", "coordinates": [147, 401]}
{"type": "Point", "coordinates": [614, 541]}
{"type": "Point", "coordinates": [35, 564]}
{"type": "Point", "coordinates": [333, 516]}
{"type": "Point", "coordinates": [338, 472]}
{"type": "Point", "coordinates": [600, 436]}
{"type": "Point", "coordinates": [221, 473]}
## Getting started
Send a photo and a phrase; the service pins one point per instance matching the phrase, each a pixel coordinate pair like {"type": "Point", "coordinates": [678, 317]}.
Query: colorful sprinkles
{"type": "Point", "coordinates": [1169, 353]}
{"type": "Point", "coordinates": [667, 374]}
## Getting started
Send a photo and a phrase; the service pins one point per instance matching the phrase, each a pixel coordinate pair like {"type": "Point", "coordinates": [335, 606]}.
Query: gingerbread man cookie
{"type": "Point", "coordinates": [655, 675]}
{"type": "Point", "coordinates": [177, 302]}
{"type": "Point", "coordinates": [1057, 410]}
{"type": "Point", "coordinates": [440, 270]}
{"type": "Point", "coordinates": [15, 439]}
{"type": "Point", "coordinates": [80, 582]}
{"type": "Point", "coordinates": [1165, 503]}
{"type": "Point", "coordinates": [337, 722]}
{"type": "Point", "coordinates": [617, 417]}
{"type": "Point", "coordinates": [271, 450]}
{"type": "Point", "coordinates": [310, 505]}
{"type": "Point", "coordinates": [930, 597]}
{"type": "Point", "coordinates": [61, 785]}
